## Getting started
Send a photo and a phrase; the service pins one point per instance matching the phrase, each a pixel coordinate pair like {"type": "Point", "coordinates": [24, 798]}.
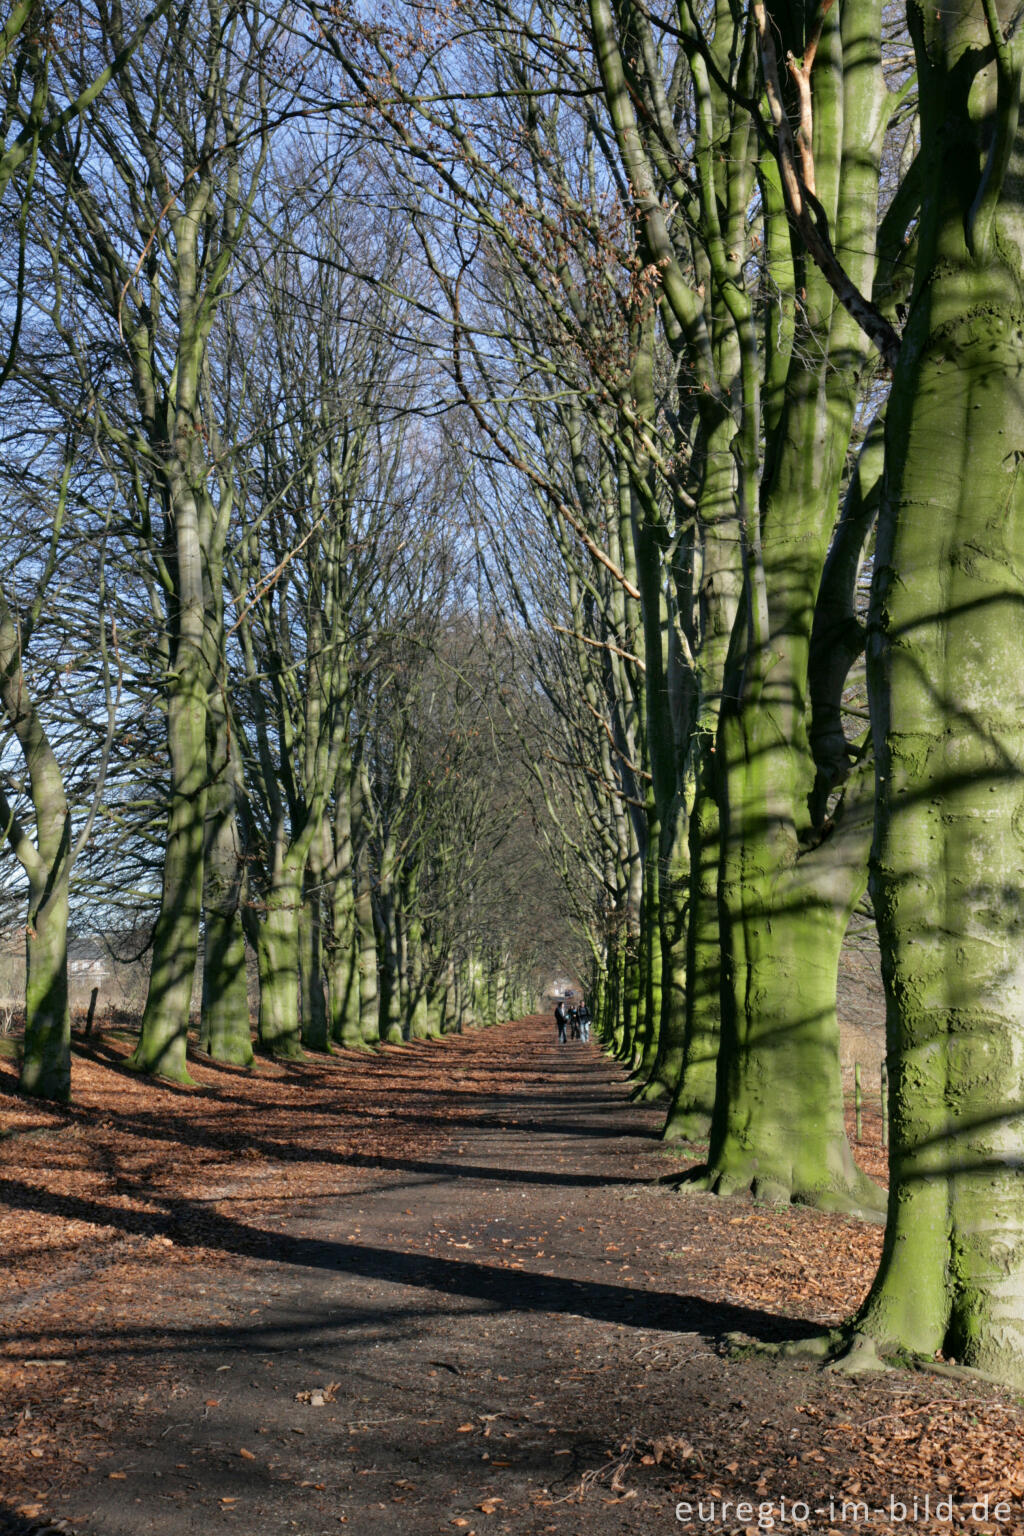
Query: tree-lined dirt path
{"type": "Point", "coordinates": [508, 1323]}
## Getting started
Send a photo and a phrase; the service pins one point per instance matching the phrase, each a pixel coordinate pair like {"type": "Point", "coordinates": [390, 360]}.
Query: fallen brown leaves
{"type": "Point", "coordinates": [105, 1203]}
{"type": "Point", "coordinates": [153, 1170]}
{"type": "Point", "coordinates": [115, 1208]}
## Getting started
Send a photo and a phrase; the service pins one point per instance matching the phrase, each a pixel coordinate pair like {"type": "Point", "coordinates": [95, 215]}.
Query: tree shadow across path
{"type": "Point", "coordinates": [508, 1315]}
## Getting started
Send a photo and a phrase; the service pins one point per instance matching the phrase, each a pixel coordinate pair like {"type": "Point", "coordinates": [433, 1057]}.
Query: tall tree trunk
{"type": "Point", "coordinates": [420, 1026]}
{"type": "Point", "coordinates": [46, 1062]}
{"type": "Point", "coordinates": [366, 935]}
{"type": "Point", "coordinates": [689, 1116]}
{"type": "Point", "coordinates": [778, 1123]}
{"type": "Point", "coordinates": [721, 586]}
{"type": "Point", "coordinates": [46, 1059]}
{"type": "Point", "coordinates": [313, 1006]}
{"type": "Point", "coordinates": [274, 936]}
{"type": "Point", "coordinates": [672, 873]}
{"type": "Point", "coordinates": [224, 1030]}
{"type": "Point", "coordinates": [343, 950]}
{"type": "Point", "coordinates": [388, 951]}
{"type": "Point", "coordinates": [650, 1026]}
{"type": "Point", "coordinates": [163, 1039]}
{"type": "Point", "coordinates": [277, 953]}
{"type": "Point", "coordinates": [948, 715]}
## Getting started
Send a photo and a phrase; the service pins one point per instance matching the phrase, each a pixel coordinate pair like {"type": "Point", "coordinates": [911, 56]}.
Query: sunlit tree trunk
{"type": "Point", "coordinates": [46, 1061]}
{"type": "Point", "coordinates": [788, 885]}
{"type": "Point", "coordinates": [693, 1091]}
{"type": "Point", "coordinates": [164, 1030]}
{"type": "Point", "coordinates": [366, 935]}
{"type": "Point", "coordinates": [342, 948]}
{"type": "Point", "coordinates": [948, 714]}
{"type": "Point", "coordinates": [224, 1030]}
{"type": "Point", "coordinates": [274, 934]}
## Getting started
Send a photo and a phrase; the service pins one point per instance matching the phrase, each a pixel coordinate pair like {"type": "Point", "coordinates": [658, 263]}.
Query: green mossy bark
{"type": "Point", "coordinates": [649, 1024]}
{"type": "Point", "coordinates": [46, 1061]}
{"type": "Point", "coordinates": [392, 1023]}
{"type": "Point", "coordinates": [46, 1056]}
{"type": "Point", "coordinates": [673, 905]}
{"type": "Point", "coordinates": [689, 1115]}
{"type": "Point", "coordinates": [224, 1029]}
{"type": "Point", "coordinates": [277, 954]}
{"type": "Point", "coordinates": [163, 1038]}
{"type": "Point", "coordinates": [366, 944]}
{"type": "Point", "coordinates": [778, 1127]}
{"type": "Point", "coordinates": [343, 990]}
{"type": "Point", "coordinates": [948, 713]}
{"type": "Point", "coordinates": [632, 995]}
{"type": "Point", "coordinates": [417, 1005]}
{"type": "Point", "coordinates": [693, 1096]}
{"type": "Point", "coordinates": [343, 949]}
{"type": "Point", "coordinates": [316, 1035]}
{"type": "Point", "coordinates": [787, 885]}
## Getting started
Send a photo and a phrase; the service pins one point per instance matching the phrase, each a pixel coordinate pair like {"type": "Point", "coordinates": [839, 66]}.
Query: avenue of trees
{"type": "Point", "coordinates": [517, 487]}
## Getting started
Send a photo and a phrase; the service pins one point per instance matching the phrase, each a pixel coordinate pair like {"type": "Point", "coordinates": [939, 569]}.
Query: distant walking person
{"type": "Point", "coordinates": [574, 1023]}
{"type": "Point", "coordinates": [560, 1018]}
{"type": "Point", "coordinates": [583, 1013]}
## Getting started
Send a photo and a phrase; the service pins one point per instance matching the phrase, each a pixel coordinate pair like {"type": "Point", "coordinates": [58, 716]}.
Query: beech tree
{"type": "Point", "coordinates": [152, 201]}
{"type": "Point", "coordinates": [313, 404]}
{"type": "Point", "coordinates": [567, 627]}
{"type": "Point", "coordinates": [730, 391]}
{"type": "Point", "coordinates": [59, 696]}
{"type": "Point", "coordinates": [946, 712]}
{"type": "Point", "coordinates": [39, 109]}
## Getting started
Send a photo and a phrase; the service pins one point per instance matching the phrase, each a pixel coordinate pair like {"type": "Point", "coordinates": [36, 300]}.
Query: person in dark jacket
{"type": "Point", "coordinates": [583, 1013]}
{"type": "Point", "coordinates": [560, 1019]}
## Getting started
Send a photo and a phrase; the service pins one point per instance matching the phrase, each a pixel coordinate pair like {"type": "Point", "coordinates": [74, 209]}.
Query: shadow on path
{"type": "Point", "coordinates": [500, 1288]}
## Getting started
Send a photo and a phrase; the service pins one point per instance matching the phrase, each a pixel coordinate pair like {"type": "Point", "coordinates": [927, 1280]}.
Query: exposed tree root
{"type": "Point", "coordinates": [284, 1053]}
{"type": "Point", "coordinates": [854, 1351]}
{"type": "Point", "coordinates": [180, 1079]}
{"type": "Point", "coordinates": [857, 1354]}
{"type": "Point", "coordinates": [861, 1198]}
{"type": "Point", "coordinates": [649, 1092]}
{"type": "Point", "coordinates": [693, 1125]}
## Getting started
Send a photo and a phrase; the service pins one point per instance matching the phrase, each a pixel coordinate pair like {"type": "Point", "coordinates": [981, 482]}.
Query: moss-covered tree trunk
{"type": "Point", "coordinates": [630, 986]}
{"type": "Point", "coordinates": [788, 883]}
{"type": "Point", "coordinates": [693, 1098]}
{"type": "Point", "coordinates": [948, 711]}
{"type": "Point", "coordinates": [419, 1010]}
{"type": "Point", "coordinates": [275, 937]}
{"type": "Point", "coordinates": [366, 935]}
{"type": "Point", "coordinates": [369, 983]}
{"type": "Point", "coordinates": [46, 860]}
{"type": "Point", "coordinates": [343, 946]}
{"type": "Point", "coordinates": [693, 1092]}
{"type": "Point", "coordinates": [46, 1061]}
{"type": "Point", "coordinates": [649, 1023]}
{"type": "Point", "coordinates": [224, 1030]}
{"type": "Point", "coordinates": [163, 1038]}
{"type": "Point", "coordinates": [316, 1033]}
{"type": "Point", "coordinates": [277, 954]}
{"type": "Point", "coordinates": [778, 1125]}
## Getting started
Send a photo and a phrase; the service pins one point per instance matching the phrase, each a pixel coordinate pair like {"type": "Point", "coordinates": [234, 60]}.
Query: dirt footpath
{"type": "Point", "coordinates": [516, 1328]}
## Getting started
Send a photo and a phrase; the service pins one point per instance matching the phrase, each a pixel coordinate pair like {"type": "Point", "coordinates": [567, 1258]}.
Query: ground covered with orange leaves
{"type": "Point", "coordinates": [446, 1287]}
